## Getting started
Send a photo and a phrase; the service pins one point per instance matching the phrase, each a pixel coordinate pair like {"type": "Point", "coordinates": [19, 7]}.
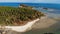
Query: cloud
{"type": "Point", "coordinates": [47, 1]}
{"type": "Point", "coordinates": [27, 1]}
{"type": "Point", "coordinates": [32, 1]}
{"type": "Point", "coordinates": [8, 0]}
{"type": "Point", "coordinates": [17, 1]}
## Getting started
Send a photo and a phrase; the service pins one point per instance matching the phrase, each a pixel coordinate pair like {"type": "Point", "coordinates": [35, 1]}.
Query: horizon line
{"type": "Point", "coordinates": [27, 2]}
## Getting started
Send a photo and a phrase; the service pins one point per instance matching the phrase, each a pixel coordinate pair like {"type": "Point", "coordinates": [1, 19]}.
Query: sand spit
{"type": "Point", "coordinates": [22, 28]}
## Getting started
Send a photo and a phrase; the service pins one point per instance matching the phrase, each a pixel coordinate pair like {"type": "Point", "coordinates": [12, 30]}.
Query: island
{"type": "Point", "coordinates": [17, 16]}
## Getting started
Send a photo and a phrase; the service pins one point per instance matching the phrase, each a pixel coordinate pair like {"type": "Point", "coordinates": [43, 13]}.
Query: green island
{"type": "Point", "coordinates": [18, 15]}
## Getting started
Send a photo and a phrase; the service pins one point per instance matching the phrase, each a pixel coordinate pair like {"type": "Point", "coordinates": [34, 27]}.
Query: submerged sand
{"type": "Point", "coordinates": [44, 23]}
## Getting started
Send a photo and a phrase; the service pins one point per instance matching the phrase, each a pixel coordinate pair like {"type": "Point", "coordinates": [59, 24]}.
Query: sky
{"type": "Point", "coordinates": [32, 1]}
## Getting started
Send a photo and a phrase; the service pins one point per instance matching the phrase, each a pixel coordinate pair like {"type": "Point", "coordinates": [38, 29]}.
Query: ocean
{"type": "Point", "coordinates": [47, 5]}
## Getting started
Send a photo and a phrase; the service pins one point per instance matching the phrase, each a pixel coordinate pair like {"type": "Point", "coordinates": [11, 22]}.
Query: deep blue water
{"type": "Point", "coordinates": [47, 5]}
{"type": "Point", "coordinates": [10, 4]}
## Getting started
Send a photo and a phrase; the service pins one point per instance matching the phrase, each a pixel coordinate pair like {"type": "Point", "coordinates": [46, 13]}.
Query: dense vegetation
{"type": "Point", "coordinates": [17, 16]}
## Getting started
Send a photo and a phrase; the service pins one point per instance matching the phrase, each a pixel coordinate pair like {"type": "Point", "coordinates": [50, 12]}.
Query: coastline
{"type": "Point", "coordinates": [46, 25]}
{"type": "Point", "coordinates": [33, 25]}
{"type": "Point", "coordinates": [23, 28]}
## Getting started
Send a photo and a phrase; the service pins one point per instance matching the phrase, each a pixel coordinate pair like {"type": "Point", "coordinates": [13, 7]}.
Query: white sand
{"type": "Point", "coordinates": [22, 28]}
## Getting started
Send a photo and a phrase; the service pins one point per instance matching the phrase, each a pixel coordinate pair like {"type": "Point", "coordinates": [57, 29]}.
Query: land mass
{"type": "Point", "coordinates": [18, 15]}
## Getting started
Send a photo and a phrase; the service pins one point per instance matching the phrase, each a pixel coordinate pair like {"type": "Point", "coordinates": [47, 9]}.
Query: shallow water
{"type": "Point", "coordinates": [55, 28]}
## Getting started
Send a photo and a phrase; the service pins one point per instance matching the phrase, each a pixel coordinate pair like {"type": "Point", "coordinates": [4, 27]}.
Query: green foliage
{"type": "Point", "coordinates": [10, 15]}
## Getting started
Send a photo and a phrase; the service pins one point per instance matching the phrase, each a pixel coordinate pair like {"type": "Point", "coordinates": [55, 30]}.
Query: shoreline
{"type": "Point", "coordinates": [32, 25]}
{"type": "Point", "coordinates": [23, 28]}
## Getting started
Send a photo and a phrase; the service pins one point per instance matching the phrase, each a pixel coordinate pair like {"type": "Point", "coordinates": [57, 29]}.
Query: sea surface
{"type": "Point", "coordinates": [53, 10]}
{"type": "Point", "coordinates": [47, 5]}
